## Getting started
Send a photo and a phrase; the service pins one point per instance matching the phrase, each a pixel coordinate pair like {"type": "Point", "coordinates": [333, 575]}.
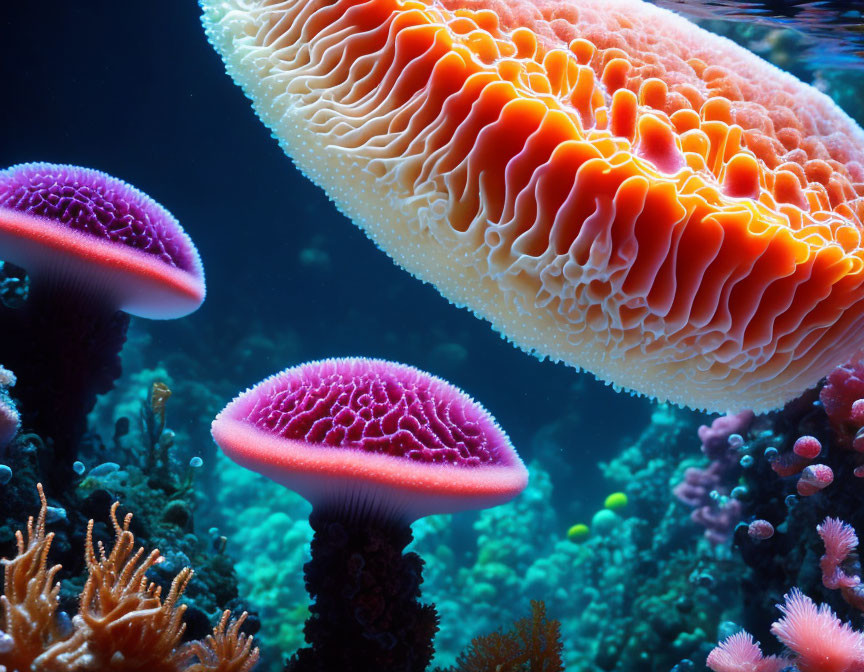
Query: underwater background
{"type": "Point", "coordinates": [134, 89]}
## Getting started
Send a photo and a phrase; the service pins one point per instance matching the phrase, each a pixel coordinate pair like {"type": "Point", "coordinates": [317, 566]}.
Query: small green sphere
{"type": "Point", "coordinates": [616, 501]}
{"type": "Point", "coordinates": [578, 532]}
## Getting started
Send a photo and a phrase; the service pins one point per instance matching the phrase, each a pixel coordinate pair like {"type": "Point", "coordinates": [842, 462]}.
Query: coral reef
{"type": "Point", "coordinates": [164, 498]}
{"type": "Point", "coordinates": [269, 533]}
{"type": "Point", "coordinates": [707, 490]}
{"type": "Point", "coordinates": [629, 604]}
{"type": "Point", "coordinates": [122, 621]}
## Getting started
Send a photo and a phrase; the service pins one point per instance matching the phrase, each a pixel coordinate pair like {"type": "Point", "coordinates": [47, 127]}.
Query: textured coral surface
{"type": "Point", "coordinates": [83, 232]}
{"type": "Point", "coordinates": [358, 433]}
{"type": "Point", "coordinates": [378, 407]}
{"type": "Point", "coordinates": [92, 202]}
{"type": "Point", "coordinates": [606, 183]}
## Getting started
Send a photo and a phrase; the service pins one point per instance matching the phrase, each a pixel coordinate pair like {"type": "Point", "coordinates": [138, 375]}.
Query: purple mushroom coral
{"type": "Point", "coordinates": [373, 446]}
{"type": "Point", "coordinates": [96, 250]}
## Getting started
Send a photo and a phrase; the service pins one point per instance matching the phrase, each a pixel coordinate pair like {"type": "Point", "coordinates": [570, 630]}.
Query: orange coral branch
{"type": "Point", "coordinates": [226, 650]}
{"type": "Point", "coordinates": [532, 644]}
{"type": "Point", "coordinates": [122, 623]}
{"type": "Point", "coordinates": [29, 604]}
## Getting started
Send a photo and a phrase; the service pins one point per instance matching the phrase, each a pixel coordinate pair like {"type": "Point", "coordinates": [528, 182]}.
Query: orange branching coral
{"type": "Point", "coordinates": [605, 182]}
{"type": "Point", "coordinates": [122, 624]}
{"type": "Point", "coordinates": [29, 604]}
{"type": "Point", "coordinates": [226, 650]}
{"type": "Point", "coordinates": [533, 644]}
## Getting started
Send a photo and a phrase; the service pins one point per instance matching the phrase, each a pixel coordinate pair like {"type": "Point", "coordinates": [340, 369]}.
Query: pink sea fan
{"type": "Point", "coordinates": [740, 653]}
{"type": "Point", "coordinates": [840, 540]}
{"type": "Point", "coordinates": [821, 642]}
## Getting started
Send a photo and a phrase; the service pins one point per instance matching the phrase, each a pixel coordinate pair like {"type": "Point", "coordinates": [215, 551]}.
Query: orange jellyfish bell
{"type": "Point", "coordinates": [606, 183]}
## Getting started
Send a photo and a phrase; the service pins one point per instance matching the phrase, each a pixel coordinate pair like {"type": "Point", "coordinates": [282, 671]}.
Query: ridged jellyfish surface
{"type": "Point", "coordinates": [606, 183]}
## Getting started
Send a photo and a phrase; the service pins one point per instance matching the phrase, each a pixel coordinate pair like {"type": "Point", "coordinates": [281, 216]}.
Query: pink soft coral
{"type": "Point", "coordinates": [818, 639]}
{"type": "Point", "coordinates": [821, 642]}
{"type": "Point", "coordinates": [739, 653]}
{"type": "Point", "coordinates": [840, 540]}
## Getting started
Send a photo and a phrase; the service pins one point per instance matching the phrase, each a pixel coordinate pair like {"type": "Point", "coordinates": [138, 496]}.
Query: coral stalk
{"type": "Point", "coordinates": [371, 619]}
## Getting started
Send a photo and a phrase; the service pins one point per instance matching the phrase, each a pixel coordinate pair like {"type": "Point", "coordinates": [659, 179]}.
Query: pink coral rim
{"type": "Point", "coordinates": [136, 282]}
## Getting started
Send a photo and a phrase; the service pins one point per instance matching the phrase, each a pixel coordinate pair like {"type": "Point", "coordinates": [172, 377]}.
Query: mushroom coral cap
{"type": "Point", "coordinates": [608, 184]}
{"type": "Point", "coordinates": [372, 435]}
{"type": "Point", "coordinates": [83, 228]}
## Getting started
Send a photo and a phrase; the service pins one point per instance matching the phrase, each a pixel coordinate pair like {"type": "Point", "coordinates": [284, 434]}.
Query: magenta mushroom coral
{"type": "Point", "coordinates": [96, 250]}
{"type": "Point", "coordinates": [373, 445]}
{"type": "Point", "coordinates": [374, 435]}
{"type": "Point", "coordinates": [77, 226]}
